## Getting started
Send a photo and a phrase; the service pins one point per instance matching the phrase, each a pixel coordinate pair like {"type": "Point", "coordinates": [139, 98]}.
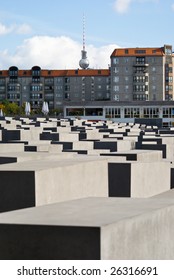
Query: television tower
{"type": "Point", "coordinates": [84, 63]}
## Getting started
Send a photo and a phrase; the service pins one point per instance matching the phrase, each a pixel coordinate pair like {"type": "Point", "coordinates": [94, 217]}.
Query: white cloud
{"type": "Point", "coordinates": [23, 29]}
{"type": "Point", "coordinates": [122, 6]}
{"type": "Point", "coordinates": [4, 29]}
{"type": "Point", "coordinates": [18, 29]}
{"type": "Point", "coordinates": [55, 53]}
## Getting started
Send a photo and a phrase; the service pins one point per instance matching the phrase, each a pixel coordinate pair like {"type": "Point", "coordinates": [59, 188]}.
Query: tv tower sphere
{"type": "Point", "coordinates": [84, 63]}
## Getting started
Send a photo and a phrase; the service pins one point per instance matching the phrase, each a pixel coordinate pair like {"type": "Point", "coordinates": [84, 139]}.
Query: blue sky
{"type": "Point", "coordinates": [49, 33]}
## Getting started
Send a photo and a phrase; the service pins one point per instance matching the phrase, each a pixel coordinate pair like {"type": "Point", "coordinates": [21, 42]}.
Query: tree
{"type": "Point", "coordinates": [11, 108]}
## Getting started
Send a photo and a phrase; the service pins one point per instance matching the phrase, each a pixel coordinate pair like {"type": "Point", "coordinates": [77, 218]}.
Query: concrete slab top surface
{"type": "Point", "coordinates": [87, 212]}
{"type": "Point", "coordinates": [49, 162]}
{"type": "Point", "coordinates": [168, 194]}
{"type": "Point", "coordinates": [24, 156]}
{"type": "Point", "coordinates": [138, 152]}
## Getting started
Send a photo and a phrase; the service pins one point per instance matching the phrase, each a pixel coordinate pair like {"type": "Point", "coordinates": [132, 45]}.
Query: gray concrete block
{"type": "Point", "coordinates": [137, 155]}
{"type": "Point", "coordinates": [53, 180]}
{"type": "Point", "coordinates": [92, 228]}
{"type": "Point", "coordinates": [18, 147]}
{"type": "Point", "coordinates": [138, 179]}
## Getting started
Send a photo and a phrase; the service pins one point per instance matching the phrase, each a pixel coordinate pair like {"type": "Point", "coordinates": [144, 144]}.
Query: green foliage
{"type": "Point", "coordinates": [10, 108]}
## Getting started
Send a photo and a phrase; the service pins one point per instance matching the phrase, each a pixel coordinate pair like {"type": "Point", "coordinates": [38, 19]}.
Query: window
{"type": "Point", "coordinates": [36, 80]}
{"type": "Point", "coordinates": [116, 97]}
{"type": "Point", "coordinates": [36, 88]}
{"type": "Point", "coordinates": [126, 60]}
{"type": "Point", "coordinates": [49, 81]}
{"type": "Point", "coordinates": [35, 72]}
{"type": "Point", "coordinates": [140, 60]}
{"type": "Point", "coordinates": [167, 112]}
{"type": "Point", "coordinates": [13, 71]}
{"type": "Point", "coordinates": [141, 97]}
{"type": "Point", "coordinates": [140, 88]}
{"type": "Point", "coordinates": [67, 88]}
{"type": "Point", "coordinates": [140, 69]}
{"type": "Point", "coordinates": [126, 51]}
{"type": "Point", "coordinates": [2, 88]}
{"type": "Point", "coordinates": [115, 60]}
{"type": "Point", "coordinates": [59, 80]}
{"type": "Point", "coordinates": [2, 81]}
{"type": "Point", "coordinates": [36, 96]}
{"type": "Point", "coordinates": [115, 88]}
{"type": "Point", "coordinates": [113, 113]}
{"type": "Point", "coordinates": [59, 88]}
{"type": "Point", "coordinates": [13, 96]}
{"type": "Point", "coordinates": [126, 88]}
{"type": "Point", "coordinates": [49, 88]}
{"type": "Point", "coordinates": [58, 95]}
{"type": "Point", "coordinates": [13, 88]}
{"type": "Point", "coordinates": [151, 112]}
{"type": "Point", "coordinates": [153, 69]}
{"type": "Point", "coordinates": [126, 79]}
{"type": "Point", "coordinates": [115, 69]}
{"type": "Point", "coordinates": [67, 80]}
{"type": "Point", "coordinates": [140, 79]}
{"type": "Point", "coordinates": [67, 95]}
{"type": "Point", "coordinates": [126, 69]}
{"type": "Point", "coordinates": [116, 79]}
{"type": "Point", "coordinates": [140, 51]}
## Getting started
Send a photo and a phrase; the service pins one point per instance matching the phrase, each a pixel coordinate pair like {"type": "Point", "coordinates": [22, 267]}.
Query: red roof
{"type": "Point", "coordinates": [61, 73]}
{"type": "Point", "coordinates": [138, 52]}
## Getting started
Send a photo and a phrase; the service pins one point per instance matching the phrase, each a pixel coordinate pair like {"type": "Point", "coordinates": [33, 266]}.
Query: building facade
{"type": "Point", "coordinates": [134, 75]}
{"type": "Point", "coordinates": [142, 74]}
{"type": "Point", "coordinates": [54, 86]}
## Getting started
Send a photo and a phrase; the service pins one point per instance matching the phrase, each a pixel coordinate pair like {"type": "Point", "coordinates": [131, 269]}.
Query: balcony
{"type": "Point", "coordinates": [137, 64]}
{"type": "Point", "coordinates": [36, 88]}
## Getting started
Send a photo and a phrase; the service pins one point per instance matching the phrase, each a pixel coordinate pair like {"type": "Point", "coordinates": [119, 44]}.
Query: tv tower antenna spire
{"type": "Point", "coordinates": [83, 32]}
{"type": "Point", "coordinates": [84, 63]}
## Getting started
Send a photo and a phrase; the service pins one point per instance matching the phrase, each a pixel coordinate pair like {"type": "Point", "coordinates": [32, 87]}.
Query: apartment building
{"type": "Point", "coordinates": [54, 86]}
{"type": "Point", "coordinates": [134, 75]}
{"type": "Point", "coordinates": [142, 74]}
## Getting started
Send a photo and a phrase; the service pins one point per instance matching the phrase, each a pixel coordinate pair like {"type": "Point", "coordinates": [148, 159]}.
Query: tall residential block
{"type": "Point", "coordinates": [139, 74]}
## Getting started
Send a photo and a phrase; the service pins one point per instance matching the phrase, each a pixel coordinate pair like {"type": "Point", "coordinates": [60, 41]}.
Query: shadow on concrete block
{"type": "Point", "coordinates": [38, 242]}
{"type": "Point", "coordinates": [119, 177]}
{"type": "Point", "coordinates": [17, 189]}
